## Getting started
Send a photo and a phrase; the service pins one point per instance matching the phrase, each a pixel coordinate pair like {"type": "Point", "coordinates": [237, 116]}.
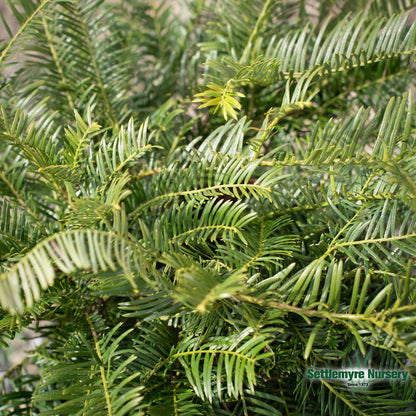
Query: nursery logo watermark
{"type": "Point", "coordinates": [359, 376]}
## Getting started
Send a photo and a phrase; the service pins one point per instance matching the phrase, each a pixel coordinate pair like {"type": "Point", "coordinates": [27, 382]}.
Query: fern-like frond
{"type": "Point", "coordinates": [151, 306]}
{"type": "Point", "coordinates": [260, 72]}
{"type": "Point", "coordinates": [227, 139]}
{"type": "Point", "coordinates": [389, 234]}
{"type": "Point", "coordinates": [96, 384]}
{"type": "Point", "coordinates": [109, 160]}
{"type": "Point", "coordinates": [70, 43]}
{"type": "Point", "coordinates": [215, 219]}
{"type": "Point", "coordinates": [246, 21]}
{"type": "Point", "coordinates": [233, 360]}
{"type": "Point", "coordinates": [374, 8]}
{"type": "Point", "coordinates": [201, 180]}
{"type": "Point", "coordinates": [162, 38]}
{"type": "Point", "coordinates": [352, 42]}
{"type": "Point", "coordinates": [28, 16]}
{"type": "Point", "coordinates": [17, 231]}
{"type": "Point", "coordinates": [67, 252]}
{"type": "Point", "coordinates": [356, 41]}
{"type": "Point", "coordinates": [265, 245]}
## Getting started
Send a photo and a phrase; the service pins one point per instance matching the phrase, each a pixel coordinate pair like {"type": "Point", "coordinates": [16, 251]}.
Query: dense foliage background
{"type": "Point", "coordinates": [201, 199]}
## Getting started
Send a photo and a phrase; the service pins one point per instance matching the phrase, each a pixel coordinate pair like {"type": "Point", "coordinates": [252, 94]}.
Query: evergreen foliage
{"type": "Point", "coordinates": [199, 200]}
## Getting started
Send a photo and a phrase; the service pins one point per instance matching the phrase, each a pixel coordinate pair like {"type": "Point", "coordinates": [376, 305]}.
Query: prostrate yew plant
{"type": "Point", "coordinates": [199, 200]}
